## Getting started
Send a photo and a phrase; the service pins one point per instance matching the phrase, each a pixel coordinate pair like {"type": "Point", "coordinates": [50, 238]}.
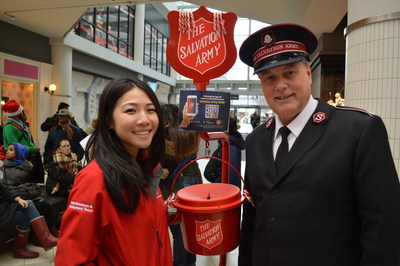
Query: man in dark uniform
{"type": "Point", "coordinates": [314, 204]}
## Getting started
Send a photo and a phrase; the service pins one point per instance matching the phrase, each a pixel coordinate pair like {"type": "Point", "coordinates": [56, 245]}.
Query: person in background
{"type": "Point", "coordinates": [331, 102]}
{"type": "Point", "coordinates": [62, 170]}
{"type": "Point", "coordinates": [313, 204]}
{"type": "Point", "coordinates": [85, 140]}
{"type": "Point", "coordinates": [339, 101]}
{"type": "Point", "coordinates": [181, 147]}
{"type": "Point", "coordinates": [16, 211]}
{"type": "Point", "coordinates": [92, 127]}
{"type": "Point", "coordinates": [16, 130]}
{"type": "Point", "coordinates": [17, 171]}
{"type": "Point", "coordinates": [1, 135]}
{"type": "Point", "coordinates": [52, 121]}
{"type": "Point", "coordinates": [16, 166]}
{"type": "Point", "coordinates": [116, 213]}
{"type": "Point", "coordinates": [64, 130]}
{"type": "Point", "coordinates": [255, 120]}
{"type": "Point", "coordinates": [213, 170]}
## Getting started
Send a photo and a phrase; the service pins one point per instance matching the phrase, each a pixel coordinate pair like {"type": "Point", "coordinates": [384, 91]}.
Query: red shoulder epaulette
{"type": "Point", "coordinates": [350, 108]}
{"type": "Point", "coordinates": [269, 122]}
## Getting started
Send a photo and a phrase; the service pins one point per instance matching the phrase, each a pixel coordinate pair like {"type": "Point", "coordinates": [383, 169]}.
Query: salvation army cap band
{"type": "Point", "coordinates": [278, 48]}
{"type": "Point", "coordinates": [277, 45]}
{"type": "Point", "coordinates": [280, 59]}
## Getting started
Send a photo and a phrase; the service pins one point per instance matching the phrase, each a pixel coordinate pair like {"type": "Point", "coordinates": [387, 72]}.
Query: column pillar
{"type": "Point", "coordinates": [61, 56]}
{"type": "Point", "coordinates": [373, 63]}
{"type": "Point", "coordinates": [139, 33]}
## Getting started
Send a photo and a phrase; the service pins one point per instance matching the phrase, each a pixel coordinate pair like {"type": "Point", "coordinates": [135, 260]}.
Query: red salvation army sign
{"type": "Point", "coordinates": [201, 46]}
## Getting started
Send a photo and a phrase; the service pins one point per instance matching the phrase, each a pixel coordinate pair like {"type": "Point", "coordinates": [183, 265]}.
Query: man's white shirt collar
{"type": "Point", "coordinates": [297, 125]}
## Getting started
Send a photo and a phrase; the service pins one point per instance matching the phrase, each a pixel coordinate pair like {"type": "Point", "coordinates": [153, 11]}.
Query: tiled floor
{"type": "Point", "coordinates": [46, 258]}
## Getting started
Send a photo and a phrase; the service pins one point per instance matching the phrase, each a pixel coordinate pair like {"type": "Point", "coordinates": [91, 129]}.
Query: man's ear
{"type": "Point", "coordinates": [309, 73]}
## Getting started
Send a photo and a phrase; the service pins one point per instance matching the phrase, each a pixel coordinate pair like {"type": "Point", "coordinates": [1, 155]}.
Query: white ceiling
{"type": "Point", "coordinates": [54, 18]}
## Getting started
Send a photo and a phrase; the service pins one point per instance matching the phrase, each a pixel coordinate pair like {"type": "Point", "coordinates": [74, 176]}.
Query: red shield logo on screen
{"type": "Point", "coordinates": [209, 233]}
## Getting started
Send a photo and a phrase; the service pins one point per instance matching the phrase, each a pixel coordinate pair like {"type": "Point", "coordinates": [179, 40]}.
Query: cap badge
{"type": "Point", "coordinates": [270, 122]}
{"type": "Point", "coordinates": [319, 117]}
{"type": "Point", "coordinates": [268, 39]}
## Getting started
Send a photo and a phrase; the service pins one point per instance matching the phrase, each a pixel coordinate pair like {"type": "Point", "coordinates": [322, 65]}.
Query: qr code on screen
{"type": "Point", "coordinates": [212, 111]}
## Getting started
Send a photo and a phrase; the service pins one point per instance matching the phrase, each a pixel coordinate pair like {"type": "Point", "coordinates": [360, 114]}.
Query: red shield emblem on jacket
{"type": "Point", "coordinates": [209, 233]}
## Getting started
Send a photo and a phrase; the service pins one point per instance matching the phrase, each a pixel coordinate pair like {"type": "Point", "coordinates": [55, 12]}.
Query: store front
{"type": "Point", "coordinates": [24, 93]}
{"type": "Point", "coordinates": [20, 80]}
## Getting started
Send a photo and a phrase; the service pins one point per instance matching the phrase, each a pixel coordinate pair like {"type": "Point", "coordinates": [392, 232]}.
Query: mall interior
{"type": "Point", "coordinates": [80, 46]}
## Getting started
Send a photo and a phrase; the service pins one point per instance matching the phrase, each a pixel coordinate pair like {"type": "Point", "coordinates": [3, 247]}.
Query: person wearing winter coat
{"type": "Point", "coordinates": [16, 211]}
{"type": "Point", "coordinates": [63, 130]}
{"type": "Point", "coordinates": [62, 170]}
{"type": "Point", "coordinates": [16, 171]}
{"type": "Point", "coordinates": [213, 170]}
{"type": "Point", "coordinates": [116, 213]}
{"type": "Point", "coordinates": [16, 130]}
{"type": "Point", "coordinates": [53, 120]}
{"type": "Point", "coordinates": [16, 166]}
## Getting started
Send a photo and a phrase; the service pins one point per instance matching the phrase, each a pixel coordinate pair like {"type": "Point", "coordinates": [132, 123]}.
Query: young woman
{"type": "Point", "coordinates": [23, 213]}
{"type": "Point", "coordinates": [115, 214]}
{"type": "Point", "coordinates": [62, 170]}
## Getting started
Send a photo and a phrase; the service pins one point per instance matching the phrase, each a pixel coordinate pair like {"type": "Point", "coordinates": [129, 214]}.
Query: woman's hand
{"type": "Point", "coordinates": [186, 119]}
{"type": "Point", "coordinates": [21, 202]}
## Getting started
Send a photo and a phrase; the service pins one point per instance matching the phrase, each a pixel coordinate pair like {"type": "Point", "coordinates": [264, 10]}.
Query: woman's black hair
{"type": "Point", "coordinates": [124, 177]}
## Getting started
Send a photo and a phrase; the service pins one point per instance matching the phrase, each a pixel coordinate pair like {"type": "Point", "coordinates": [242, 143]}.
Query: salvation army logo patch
{"type": "Point", "coordinates": [319, 117]}
{"type": "Point", "coordinates": [209, 233]}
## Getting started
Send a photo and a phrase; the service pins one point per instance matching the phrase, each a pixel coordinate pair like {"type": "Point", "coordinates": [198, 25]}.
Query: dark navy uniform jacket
{"type": "Point", "coordinates": [337, 202]}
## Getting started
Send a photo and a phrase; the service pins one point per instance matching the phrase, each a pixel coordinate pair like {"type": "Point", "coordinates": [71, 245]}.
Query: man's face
{"type": "Point", "coordinates": [287, 89]}
{"type": "Point", "coordinates": [63, 119]}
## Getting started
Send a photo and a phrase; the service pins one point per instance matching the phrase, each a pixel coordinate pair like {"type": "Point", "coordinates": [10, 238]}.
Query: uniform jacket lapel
{"type": "Point", "coordinates": [307, 138]}
{"type": "Point", "coordinates": [266, 139]}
